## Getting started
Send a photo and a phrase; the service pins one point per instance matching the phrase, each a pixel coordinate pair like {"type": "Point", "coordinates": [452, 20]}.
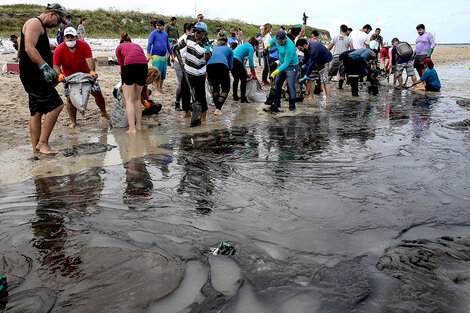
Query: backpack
{"type": "Point", "coordinates": [404, 50]}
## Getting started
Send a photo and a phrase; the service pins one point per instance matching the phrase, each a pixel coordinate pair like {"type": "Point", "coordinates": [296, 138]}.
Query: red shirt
{"type": "Point", "coordinates": [73, 62]}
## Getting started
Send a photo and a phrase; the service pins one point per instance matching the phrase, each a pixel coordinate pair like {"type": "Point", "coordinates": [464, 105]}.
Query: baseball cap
{"type": "Point", "coordinates": [70, 31]}
{"type": "Point", "coordinates": [60, 10]}
{"type": "Point", "coordinates": [280, 37]}
{"type": "Point", "coordinates": [160, 22]}
{"type": "Point", "coordinates": [383, 51]}
{"type": "Point", "coordinates": [427, 61]}
{"type": "Point", "coordinates": [201, 26]}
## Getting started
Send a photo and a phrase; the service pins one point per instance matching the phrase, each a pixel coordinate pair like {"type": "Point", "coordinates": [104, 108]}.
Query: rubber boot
{"type": "Point", "coordinates": [354, 82]}
{"type": "Point", "coordinates": [340, 84]}
{"type": "Point", "coordinates": [177, 106]}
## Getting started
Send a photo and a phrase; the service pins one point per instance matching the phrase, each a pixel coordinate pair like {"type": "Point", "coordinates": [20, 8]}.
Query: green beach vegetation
{"type": "Point", "coordinates": [111, 22]}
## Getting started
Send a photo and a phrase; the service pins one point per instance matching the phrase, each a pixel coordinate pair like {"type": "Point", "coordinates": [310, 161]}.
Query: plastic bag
{"type": "Point", "coordinates": [119, 115]}
{"type": "Point", "coordinates": [254, 91]}
{"type": "Point", "coordinates": [80, 85]}
{"type": "Point", "coordinates": [209, 98]}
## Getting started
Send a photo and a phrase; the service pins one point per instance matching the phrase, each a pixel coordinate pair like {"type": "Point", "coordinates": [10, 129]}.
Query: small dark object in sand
{"type": "Point", "coordinates": [87, 148]}
{"type": "Point", "coordinates": [462, 125]}
{"type": "Point", "coordinates": [463, 102]}
{"type": "Point", "coordinates": [155, 108]}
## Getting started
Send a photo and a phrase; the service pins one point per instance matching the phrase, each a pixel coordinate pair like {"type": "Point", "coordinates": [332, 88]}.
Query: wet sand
{"type": "Point", "coordinates": [14, 115]}
{"type": "Point", "coordinates": [360, 205]}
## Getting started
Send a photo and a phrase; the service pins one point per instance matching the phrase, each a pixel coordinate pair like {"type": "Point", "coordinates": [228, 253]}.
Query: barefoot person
{"type": "Point", "coordinates": [38, 78]}
{"type": "Point", "coordinates": [74, 56]}
{"type": "Point", "coordinates": [134, 70]}
{"type": "Point", "coordinates": [429, 81]}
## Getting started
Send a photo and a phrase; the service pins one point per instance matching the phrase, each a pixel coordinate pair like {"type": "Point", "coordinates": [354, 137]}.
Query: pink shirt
{"type": "Point", "coordinates": [130, 53]}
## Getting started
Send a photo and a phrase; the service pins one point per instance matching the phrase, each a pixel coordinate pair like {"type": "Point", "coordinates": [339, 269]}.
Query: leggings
{"type": "Point", "coordinates": [219, 78]}
{"type": "Point", "coordinates": [239, 74]}
{"type": "Point", "coordinates": [272, 65]}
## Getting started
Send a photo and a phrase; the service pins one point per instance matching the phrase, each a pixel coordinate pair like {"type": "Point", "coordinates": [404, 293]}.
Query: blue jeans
{"type": "Point", "coordinates": [290, 73]}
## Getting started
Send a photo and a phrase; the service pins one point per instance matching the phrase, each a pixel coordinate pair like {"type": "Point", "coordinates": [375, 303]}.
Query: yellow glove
{"type": "Point", "coordinates": [95, 76]}
{"type": "Point", "coordinates": [267, 46]}
{"type": "Point", "coordinates": [469, 66]}
{"type": "Point", "coordinates": [148, 56]}
{"type": "Point", "coordinates": [273, 75]}
{"type": "Point", "coordinates": [61, 78]}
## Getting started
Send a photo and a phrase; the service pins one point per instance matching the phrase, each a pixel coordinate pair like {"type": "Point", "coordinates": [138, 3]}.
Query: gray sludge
{"type": "Point", "coordinates": [87, 148]}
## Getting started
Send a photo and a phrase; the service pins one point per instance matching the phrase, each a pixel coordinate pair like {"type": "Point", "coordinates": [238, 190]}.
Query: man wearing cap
{"type": "Point", "coordinates": [38, 78]}
{"type": "Point", "coordinates": [424, 48]}
{"type": "Point", "coordinates": [158, 46]}
{"type": "Point", "coordinates": [74, 56]}
{"type": "Point", "coordinates": [288, 67]}
{"type": "Point", "coordinates": [64, 25]}
{"type": "Point", "coordinates": [318, 59]}
{"type": "Point", "coordinates": [198, 53]}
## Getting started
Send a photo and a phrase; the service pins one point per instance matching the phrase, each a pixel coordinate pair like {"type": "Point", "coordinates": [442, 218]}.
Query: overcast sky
{"type": "Point", "coordinates": [447, 19]}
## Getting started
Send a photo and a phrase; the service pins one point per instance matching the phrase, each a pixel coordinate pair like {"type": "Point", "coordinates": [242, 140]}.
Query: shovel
{"type": "Point", "coordinates": [195, 106]}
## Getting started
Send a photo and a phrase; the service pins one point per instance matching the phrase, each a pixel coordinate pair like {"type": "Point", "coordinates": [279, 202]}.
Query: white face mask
{"type": "Point", "coordinates": [71, 44]}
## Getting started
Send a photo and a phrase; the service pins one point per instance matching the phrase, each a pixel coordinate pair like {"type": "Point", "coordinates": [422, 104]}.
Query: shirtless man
{"type": "Point", "coordinates": [38, 78]}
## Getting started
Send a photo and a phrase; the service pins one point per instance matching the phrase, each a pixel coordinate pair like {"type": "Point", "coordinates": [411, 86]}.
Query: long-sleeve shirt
{"type": "Point", "coordinates": [243, 51]}
{"type": "Point", "coordinates": [424, 43]}
{"type": "Point", "coordinates": [361, 56]}
{"type": "Point", "coordinates": [158, 43]}
{"type": "Point", "coordinates": [287, 54]}
{"type": "Point", "coordinates": [319, 55]}
{"type": "Point", "coordinates": [130, 53]}
{"type": "Point", "coordinates": [222, 54]}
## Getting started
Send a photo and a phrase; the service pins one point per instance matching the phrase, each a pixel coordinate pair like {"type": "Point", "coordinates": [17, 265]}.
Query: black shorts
{"type": "Point", "coordinates": [418, 60]}
{"type": "Point", "coordinates": [430, 88]}
{"type": "Point", "coordinates": [134, 74]}
{"type": "Point", "coordinates": [43, 97]}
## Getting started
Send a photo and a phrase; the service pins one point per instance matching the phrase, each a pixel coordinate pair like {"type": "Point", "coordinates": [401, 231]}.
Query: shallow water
{"type": "Point", "coordinates": [335, 208]}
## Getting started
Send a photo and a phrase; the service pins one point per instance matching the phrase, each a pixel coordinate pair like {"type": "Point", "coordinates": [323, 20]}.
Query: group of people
{"type": "Point", "coordinates": [289, 57]}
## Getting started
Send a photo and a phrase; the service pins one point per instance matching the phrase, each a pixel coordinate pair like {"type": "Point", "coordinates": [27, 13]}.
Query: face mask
{"type": "Point", "coordinates": [71, 44]}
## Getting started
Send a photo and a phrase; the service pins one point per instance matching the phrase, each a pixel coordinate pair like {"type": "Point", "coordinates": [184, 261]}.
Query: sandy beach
{"type": "Point", "coordinates": [14, 111]}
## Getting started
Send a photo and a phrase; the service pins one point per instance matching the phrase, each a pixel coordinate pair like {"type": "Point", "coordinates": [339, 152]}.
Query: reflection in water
{"type": "Point", "coordinates": [311, 202]}
{"type": "Point", "coordinates": [57, 199]}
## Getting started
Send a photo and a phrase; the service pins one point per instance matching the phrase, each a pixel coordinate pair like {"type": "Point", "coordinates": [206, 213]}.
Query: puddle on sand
{"type": "Point", "coordinates": [312, 202]}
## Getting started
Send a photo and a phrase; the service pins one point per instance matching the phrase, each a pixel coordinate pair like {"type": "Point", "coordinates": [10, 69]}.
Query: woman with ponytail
{"type": "Point", "coordinates": [131, 58]}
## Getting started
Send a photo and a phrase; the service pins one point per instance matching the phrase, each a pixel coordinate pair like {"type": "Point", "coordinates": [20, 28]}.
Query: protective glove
{"type": "Point", "coordinates": [49, 74]}
{"type": "Point", "coordinates": [95, 76]}
{"type": "Point", "coordinates": [273, 75]}
{"type": "Point", "coordinates": [430, 52]}
{"type": "Point", "coordinates": [304, 18]}
{"type": "Point", "coordinates": [267, 46]}
{"type": "Point", "coordinates": [207, 47]}
{"type": "Point", "coordinates": [148, 57]}
{"type": "Point", "coordinates": [173, 58]}
{"type": "Point", "coordinates": [393, 69]}
{"type": "Point", "coordinates": [253, 73]}
{"type": "Point", "coordinates": [303, 79]}
{"type": "Point", "coordinates": [61, 78]}
{"type": "Point", "coordinates": [147, 103]}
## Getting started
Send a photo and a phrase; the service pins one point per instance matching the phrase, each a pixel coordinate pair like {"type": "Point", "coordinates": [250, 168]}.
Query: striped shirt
{"type": "Point", "coordinates": [195, 65]}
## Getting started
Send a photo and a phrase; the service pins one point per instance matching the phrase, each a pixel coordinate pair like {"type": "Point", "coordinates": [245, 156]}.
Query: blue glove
{"type": "Point", "coordinates": [49, 74]}
{"type": "Point", "coordinates": [207, 47]}
{"type": "Point", "coordinates": [305, 78]}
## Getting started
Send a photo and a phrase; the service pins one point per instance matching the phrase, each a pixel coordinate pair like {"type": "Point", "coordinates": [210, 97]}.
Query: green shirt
{"type": "Point", "coordinates": [172, 31]}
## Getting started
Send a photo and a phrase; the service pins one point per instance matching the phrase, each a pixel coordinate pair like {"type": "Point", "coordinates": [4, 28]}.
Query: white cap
{"type": "Point", "coordinates": [261, 27]}
{"type": "Point", "coordinates": [70, 31]}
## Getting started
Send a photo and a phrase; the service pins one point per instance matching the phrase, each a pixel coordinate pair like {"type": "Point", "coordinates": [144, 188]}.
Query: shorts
{"type": "Point", "coordinates": [431, 88]}
{"type": "Point", "coordinates": [160, 62]}
{"type": "Point", "coordinates": [324, 73]}
{"type": "Point", "coordinates": [134, 74]}
{"type": "Point", "coordinates": [94, 88]}
{"type": "Point", "coordinates": [43, 97]}
{"type": "Point", "coordinates": [337, 66]}
{"type": "Point", "coordinates": [418, 60]}
{"type": "Point", "coordinates": [409, 69]}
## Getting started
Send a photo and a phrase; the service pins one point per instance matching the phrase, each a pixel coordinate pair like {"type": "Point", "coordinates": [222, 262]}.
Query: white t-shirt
{"type": "Point", "coordinates": [359, 39]}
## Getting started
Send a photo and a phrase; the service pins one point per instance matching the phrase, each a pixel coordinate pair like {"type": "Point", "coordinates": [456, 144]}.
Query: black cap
{"type": "Point", "coordinates": [13, 37]}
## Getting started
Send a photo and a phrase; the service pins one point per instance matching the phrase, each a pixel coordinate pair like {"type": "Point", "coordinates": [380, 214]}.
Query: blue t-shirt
{"type": "Point", "coordinates": [222, 54]}
{"type": "Point", "coordinates": [430, 77]}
